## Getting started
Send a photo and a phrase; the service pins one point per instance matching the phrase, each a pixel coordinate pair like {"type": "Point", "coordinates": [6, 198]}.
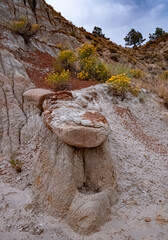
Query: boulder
{"type": "Point", "coordinates": [37, 96]}
{"type": "Point", "coordinates": [81, 136]}
{"type": "Point", "coordinates": [88, 212]}
{"type": "Point", "coordinates": [73, 124]}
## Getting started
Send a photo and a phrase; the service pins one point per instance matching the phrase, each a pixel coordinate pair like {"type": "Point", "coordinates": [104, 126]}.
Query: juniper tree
{"type": "Point", "coordinates": [158, 33]}
{"type": "Point", "coordinates": [134, 38]}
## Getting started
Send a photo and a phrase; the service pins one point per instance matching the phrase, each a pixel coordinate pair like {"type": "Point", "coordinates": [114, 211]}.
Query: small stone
{"type": "Point", "coordinates": [147, 219]}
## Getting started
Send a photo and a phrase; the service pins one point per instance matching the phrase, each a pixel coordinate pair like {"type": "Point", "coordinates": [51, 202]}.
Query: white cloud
{"type": "Point", "coordinates": [116, 18]}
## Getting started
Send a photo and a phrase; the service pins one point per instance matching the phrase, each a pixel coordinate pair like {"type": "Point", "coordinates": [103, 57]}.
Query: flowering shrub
{"type": "Point", "coordinates": [86, 51]}
{"type": "Point", "coordinates": [120, 84]}
{"type": "Point", "coordinates": [59, 81]}
{"type": "Point", "coordinates": [101, 73]}
{"type": "Point", "coordinates": [83, 75]}
{"type": "Point", "coordinates": [90, 67]}
{"type": "Point", "coordinates": [24, 28]}
{"type": "Point", "coordinates": [86, 61]}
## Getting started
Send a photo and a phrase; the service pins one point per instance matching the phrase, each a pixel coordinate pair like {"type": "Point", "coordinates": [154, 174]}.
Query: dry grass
{"type": "Point", "coordinates": [157, 86]}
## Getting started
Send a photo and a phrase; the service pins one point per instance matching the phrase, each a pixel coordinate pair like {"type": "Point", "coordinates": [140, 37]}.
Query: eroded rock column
{"type": "Point", "coordinates": [73, 173]}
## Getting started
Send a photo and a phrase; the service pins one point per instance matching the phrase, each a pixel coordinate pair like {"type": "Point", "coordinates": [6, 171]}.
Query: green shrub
{"type": "Point", "coordinates": [24, 28]}
{"type": "Point", "coordinates": [15, 163]}
{"type": "Point", "coordinates": [65, 60]}
{"type": "Point", "coordinates": [137, 73]}
{"type": "Point", "coordinates": [59, 81]}
{"type": "Point", "coordinates": [164, 75]}
{"type": "Point", "coordinates": [34, 28]}
{"type": "Point", "coordinates": [101, 72]}
{"type": "Point", "coordinates": [117, 69]}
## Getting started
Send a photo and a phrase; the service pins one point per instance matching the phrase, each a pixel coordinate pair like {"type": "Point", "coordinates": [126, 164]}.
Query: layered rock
{"type": "Point", "coordinates": [23, 63]}
{"type": "Point", "coordinates": [76, 164]}
{"type": "Point", "coordinates": [13, 82]}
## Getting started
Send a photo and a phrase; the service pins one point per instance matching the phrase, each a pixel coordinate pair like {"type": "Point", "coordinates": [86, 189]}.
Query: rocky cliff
{"type": "Point", "coordinates": [91, 163]}
{"type": "Point", "coordinates": [22, 63]}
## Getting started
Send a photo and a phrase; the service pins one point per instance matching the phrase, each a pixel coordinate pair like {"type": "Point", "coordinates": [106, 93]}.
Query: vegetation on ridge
{"type": "Point", "coordinates": [23, 27]}
{"type": "Point", "coordinates": [134, 38]}
{"type": "Point", "coordinates": [146, 65]}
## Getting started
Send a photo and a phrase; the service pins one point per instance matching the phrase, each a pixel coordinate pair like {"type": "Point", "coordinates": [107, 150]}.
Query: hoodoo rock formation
{"type": "Point", "coordinates": [74, 161]}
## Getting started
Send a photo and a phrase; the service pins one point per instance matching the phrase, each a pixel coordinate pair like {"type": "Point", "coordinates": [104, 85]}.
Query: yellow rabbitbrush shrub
{"type": "Point", "coordinates": [90, 67]}
{"type": "Point", "coordinates": [120, 84]}
{"type": "Point", "coordinates": [86, 51]}
{"type": "Point", "coordinates": [87, 61]}
{"type": "Point", "coordinates": [59, 81]}
{"type": "Point", "coordinates": [83, 75]}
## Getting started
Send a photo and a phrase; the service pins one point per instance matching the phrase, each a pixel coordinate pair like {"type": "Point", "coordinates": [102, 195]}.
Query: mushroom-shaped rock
{"type": "Point", "coordinates": [74, 125]}
{"type": "Point", "coordinates": [37, 96]}
{"type": "Point", "coordinates": [81, 136]}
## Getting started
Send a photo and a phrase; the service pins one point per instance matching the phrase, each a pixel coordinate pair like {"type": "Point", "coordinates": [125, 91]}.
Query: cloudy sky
{"type": "Point", "coordinates": [115, 17]}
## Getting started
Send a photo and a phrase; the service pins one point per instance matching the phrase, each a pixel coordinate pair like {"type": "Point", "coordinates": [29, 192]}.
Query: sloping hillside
{"type": "Point", "coordinates": [24, 64]}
